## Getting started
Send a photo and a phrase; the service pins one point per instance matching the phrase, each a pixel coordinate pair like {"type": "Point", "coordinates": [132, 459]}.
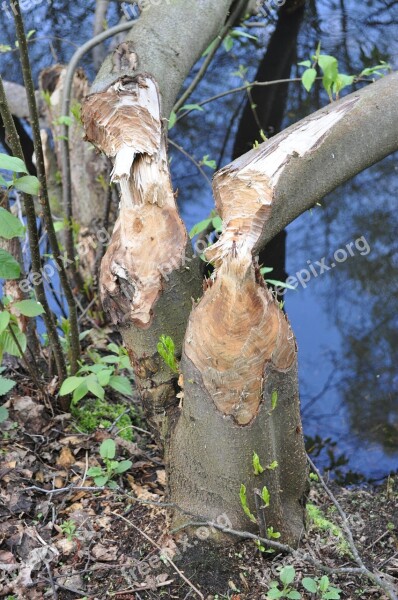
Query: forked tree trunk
{"type": "Point", "coordinates": [239, 354]}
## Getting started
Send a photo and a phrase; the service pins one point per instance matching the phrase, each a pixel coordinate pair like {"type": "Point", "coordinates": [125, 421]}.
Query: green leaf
{"type": "Point", "coordinates": [5, 386]}
{"type": "Point", "coordinates": [274, 593]}
{"type": "Point", "coordinates": [273, 465]}
{"type": "Point", "coordinates": [192, 107]}
{"type": "Point", "coordinates": [287, 575]}
{"type": "Point", "coordinates": [29, 308]}
{"type": "Point", "coordinates": [30, 33]}
{"type": "Point", "coordinates": [5, 48]}
{"type": "Point", "coordinates": [308, 78]}
{"type": "Point", "coordinates": [342, 81]}
{"type": "Point", "coordinates": [265, 495]}
{"type": "Point", "coordinates": [237, 33]}
{"type": "Point", "coordinates": [95, 472]}
{"type": "Point", "coordinates": [122, 466]}
{"type": "Point", "coordinates": [70, 385]}
{"type": "Point", "coordinates": [95, 388]}
{"type": "Point", "coordinates": [324, 583]}
{"type": "Point", "coordinates": [305, 63]}
{"type": "Point", "coordinates": [217, 223]}
{"type": "Point", "coordinates": [332, 594]}
{"type": "Point", "coordinates": [80, 391]}
{"type": "Point", "coordinates": [329, 66]}
{"type": "Point", "coordinates": [7, 343]}
{"type": "Point", "coordinates": [274, 399]}
{"type": "Point", "coordinates": [11, 163]}
{"type": "Point", "coordinates": [165, 348]}
{"type": "Point", "coordinates": [375, 70]}
{"type": "Point", "coordinates": [121, 384]}
{"type": "Point", "coordinates": [228, 43]}
{"type": "Point", "coordinates": [281, 284]}
{"type": "Point", "coordinates": [104, 376]}
{"type": "Point", "coordinates": [101, 481]}
{"type": "Point", "coordinates": [310, 584]}
{"type": "Point", "coordinates": [265, 270]}
{"type": "Point", "coordinates": [3, 413]}
{"type": "Point", "coordinates": [272, 534]}
{"type": "Point", "coordinates": [9, 267]}
{"type": "Point", "coordinates": [65, 120]}
{"type": "Point", "coordinates": [199, 227]}
{"type": "Point", "coordinates": [29, 184]}
{"type": "Point", "coordinates": [210, 48]}
{"type": "Point", "coordinates": [108, 449]}
{"type": "Point", "coordinates": [243, 501]}
{"type": "Point", "coordinates": [208, 162]}
{"type": "Point", "coordinates": [293, 595]}
{"type": "Point", "coordinates": [257, 468]}
{"type": "Point", "coordinates": [172, 119]}
{"type": "Point", "coordinates": [4, 320]}
{"type": "Point", "coordinates": [10, 226]}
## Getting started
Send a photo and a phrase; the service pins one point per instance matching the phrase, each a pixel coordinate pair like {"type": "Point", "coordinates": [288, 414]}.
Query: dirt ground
{"type": "Point", "coordinates": [81, 542]}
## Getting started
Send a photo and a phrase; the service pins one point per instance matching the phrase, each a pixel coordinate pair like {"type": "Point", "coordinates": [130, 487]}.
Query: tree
{"type": "Point", "coordinates": [238, 356]}
{"type": "Point", "coordinates": [228, 415]}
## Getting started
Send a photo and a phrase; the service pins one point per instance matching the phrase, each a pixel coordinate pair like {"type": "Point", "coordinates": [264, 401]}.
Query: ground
{"type": "Point", "coordinates": [73, 543]}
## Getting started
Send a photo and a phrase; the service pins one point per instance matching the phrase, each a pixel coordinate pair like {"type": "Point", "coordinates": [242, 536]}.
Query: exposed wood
{"type": "Point", "coordinates": [149, 238]}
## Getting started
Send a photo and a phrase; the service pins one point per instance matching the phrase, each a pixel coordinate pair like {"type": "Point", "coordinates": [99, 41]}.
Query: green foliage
{"type": "Point", "coordinates": [274, 399]}
{"type": "Point", "coordinates": [214, 222]}
{"type": "Point", "coordinates": [243, 501]}
{"type": "Point", "coordinates": [10, 226]}
{"type": "Point", "coordinates": [257, 468]}
{"type": "Point", "coordinates": [27, 183]}
{"type": "Point", "coordinates": [9, 267]}
{"type": "Point", "coordinates": [287, 575]}
{"type": "Point", "coordinates": [321, 587]}
{"type": "Point", "coordinates": [265, 495]}
{"type": "Point", "coordinates": [93, 379]}
{"type": "Point", "coordinates": [332, 80]}
{"type": "Point", "coordinates": [319, 521]}
{"type": "Point", "coordinates": [3, 411]}
{"type": "Point", "coordinates": [272, 466]}
{"type": "Point", "coordinates": [275, 282]}
{"type": "Point", "coordinates": [103, 476]}
{"type": "Point", "coordinates": [206, 161]}
{"type": "Point", "coordinates": [166, 350]}
{"type": "Point", "coordinates": [68, 528]}
{"type": "Point", "coordinates": [94, 413]}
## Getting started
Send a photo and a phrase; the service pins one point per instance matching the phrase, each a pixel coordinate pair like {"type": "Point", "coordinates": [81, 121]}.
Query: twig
{"type": "Point", "coordinates": [44, 200]}
{"type": "Point", "coordinates": [217, 43]}
{"type": "Point", "coordinates": [141, 588]}
{"type": "Point", "coordinates": [241, 88]}
{"type": "Point", "coordinates": [33, 235]}
{"type": "Point", "coordinates": [372, 576]}
{"type": "Point", "coordinates": [177, 570]}
{"type": "Point", "coordinates": [192, 159]}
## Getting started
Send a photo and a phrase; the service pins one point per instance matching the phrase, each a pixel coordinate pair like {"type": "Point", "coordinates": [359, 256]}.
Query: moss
{"type": "Point", "coordinates": [91, 414]}
{"type": "Point", "coordinates": [319, 521]}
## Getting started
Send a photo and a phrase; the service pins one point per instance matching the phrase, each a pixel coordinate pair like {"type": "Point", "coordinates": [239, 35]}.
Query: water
{"type": "Point", "coordinates": [345, 319]}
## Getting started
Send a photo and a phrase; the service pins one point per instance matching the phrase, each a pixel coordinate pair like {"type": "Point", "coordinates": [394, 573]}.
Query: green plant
{"type": "Point", "coordinates": [93, 379]}
{"type": "Point", "coordinates": [257, 468]}
{"type": "Point", "coordinates": [275, 282]}
{"type": "Point", "coordinates": [112, 467]}
{"type": "Point", "coordinates": [321, 587]}
{"type": "Point", "coordinates": [319, 521]}
{"type": "Point", "coordinates": [94, 413]}
{"type": "Point", "coordinates": [286, 575]}
{"type": "Point", "coordinates": [166, 350]}
{"type": "Point", "coordinates": [333, 81]}
{"type": "Point", "coordinates": [68, 528]}
{"type": "Point", "coordinates": [243, 501]}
